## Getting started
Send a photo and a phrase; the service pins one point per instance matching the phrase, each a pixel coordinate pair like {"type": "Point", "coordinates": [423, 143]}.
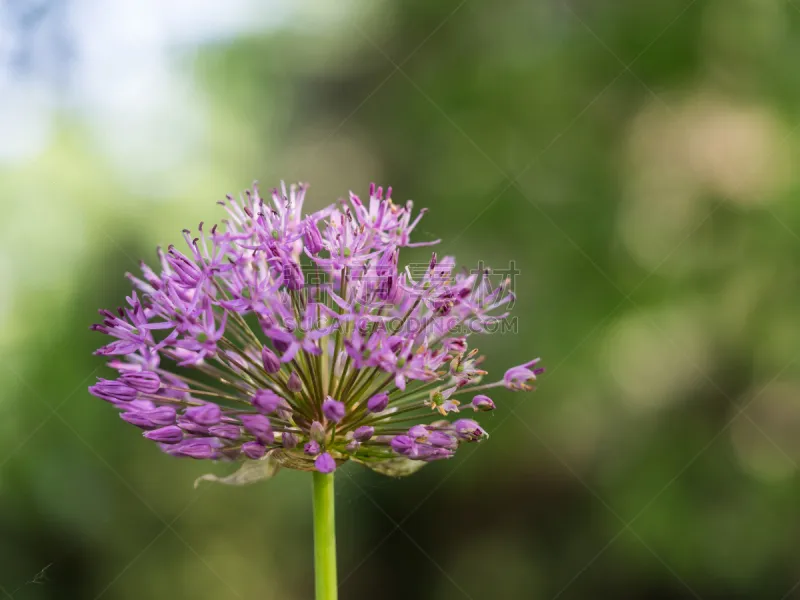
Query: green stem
{"type": "Point", "coordinates": [324, 537]}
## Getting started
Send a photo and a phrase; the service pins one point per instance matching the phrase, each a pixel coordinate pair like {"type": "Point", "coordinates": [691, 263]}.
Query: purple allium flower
{"type": "Point", "coordinates": [299, 335]}
{"type": "Point", "coordinates": [441, 400]}
{"type": "Point", "coordinates": [333, 409]}
{"type": "Point", "coordinates": [266, 401]}
{"type": "Point", "coordinates": [325, 463]}
{"type": "Point", "coordinates": [517, 378]}
{"type": "Point", "coordinates": [482, 403]}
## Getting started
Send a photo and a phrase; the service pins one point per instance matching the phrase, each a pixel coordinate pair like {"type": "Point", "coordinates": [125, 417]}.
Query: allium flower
{"type": "Point", "coordinates": [299, 338]}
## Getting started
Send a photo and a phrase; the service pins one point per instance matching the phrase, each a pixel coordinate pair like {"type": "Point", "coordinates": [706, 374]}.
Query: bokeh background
{"type": "Point", "coordinates": [637, 162]}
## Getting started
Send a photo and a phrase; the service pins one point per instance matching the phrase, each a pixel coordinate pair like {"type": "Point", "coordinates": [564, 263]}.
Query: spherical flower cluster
{"type": "Point", "coordinates": [299, 337]}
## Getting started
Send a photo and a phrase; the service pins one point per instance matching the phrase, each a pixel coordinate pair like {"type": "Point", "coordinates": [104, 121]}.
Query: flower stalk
{"type": "Point", "coordinates": [324, 537]}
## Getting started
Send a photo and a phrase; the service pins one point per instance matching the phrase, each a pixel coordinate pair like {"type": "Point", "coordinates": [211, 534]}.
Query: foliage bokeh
{"type": "Point", "coordinates": [635, 161]}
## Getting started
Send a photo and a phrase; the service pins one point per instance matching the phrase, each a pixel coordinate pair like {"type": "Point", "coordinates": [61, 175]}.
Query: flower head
{"type": "Point", "coordinates": [300, 337]}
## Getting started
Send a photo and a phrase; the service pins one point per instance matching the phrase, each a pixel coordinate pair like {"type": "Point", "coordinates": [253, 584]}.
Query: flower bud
{"type": "Point", "coordinates": [140, 419]}
{"type": "Point", "coordinates": [482, 403]}
{"type": "Point", "coordinates": [270, 360]}
{"type": "Point", "coordinates": [266, 401]}
{"type": "Point", "coordinates": [438, 454]}
{"type": "Point", "coordinates": [363, 433]}
{"type": "Point", "coordinates": [312, 448]}
{"type": "Point", "coordinates": [163, 415]}
{"type": "Point", "coordinates": [402, 444]}
{"type": "Point", "coordinates": [113, 391]}
{"type": "Point", "coordinates": [199, 449]}
{"type": "Point", "coordinates": [284, 411]}
{"type": "Point", "coordinates": [469, 430]}
{"type": "Point", "coordinates": [333, 410]}
{"type": "Point", "coordinates": [143, 381]}
{"type": "Point", "coordinates": [289, 440]}
{"type": "Point", "coordinates": [165, 435]}
{"type": "Point", "coordinates": [325, 463]}
{"type": "Point", "coordinates": [418, 433]}
{"type": "Point", "coordinates": [294, 383]}
{"type": "Point", "coordinates": [421, 452]}
{"type": "Point", "coordinates": [253, 450]}
{"type": "Point", "coordinates": [293, 275]}
{"type": "Point", "coordinates": [259, 426]}
{"type": "Point", "coordinates": [317, 432]}
{"type": "Point", "coordinates": [378, 402]}
{"type": "Point", "coordinates": [206, 415]}
{"type": "Point", "coordinates": [311, 237]}
{"type": "Point", "coordinates": [229, 432]}
{"type": "Point", "coordinates": [440, 439]}
{"type": "Point", "coordinates": [191, 427]}
{"type": "Point", "coordinates": [147, 419]}
{"type": "Point", "coordinates": [386, 272]}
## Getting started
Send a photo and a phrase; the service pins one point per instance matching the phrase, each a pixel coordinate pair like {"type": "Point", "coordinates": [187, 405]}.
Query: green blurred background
{"type": "Point", "coordinates": [636, 160]}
